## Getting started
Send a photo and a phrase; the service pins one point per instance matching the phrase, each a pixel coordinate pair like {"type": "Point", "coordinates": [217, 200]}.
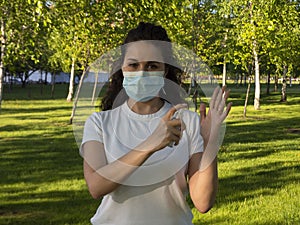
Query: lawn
{"type": "Point", "coordinates": [41, 170]}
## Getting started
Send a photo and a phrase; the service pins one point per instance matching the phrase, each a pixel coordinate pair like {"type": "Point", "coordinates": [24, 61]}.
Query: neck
{"type": "Point", "coordinates": [144, 108]}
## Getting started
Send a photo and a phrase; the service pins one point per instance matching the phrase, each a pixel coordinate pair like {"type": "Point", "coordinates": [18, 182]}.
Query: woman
{"type": "Point", "coordinates": [129, 156]}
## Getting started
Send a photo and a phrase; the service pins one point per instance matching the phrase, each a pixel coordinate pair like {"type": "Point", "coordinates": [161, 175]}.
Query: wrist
{"type": "Point", "coordinates": [145, 148]}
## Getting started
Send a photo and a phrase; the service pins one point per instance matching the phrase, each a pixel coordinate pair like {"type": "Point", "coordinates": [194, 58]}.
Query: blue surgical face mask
{"type": "Point", "coordinates": [143, 86]}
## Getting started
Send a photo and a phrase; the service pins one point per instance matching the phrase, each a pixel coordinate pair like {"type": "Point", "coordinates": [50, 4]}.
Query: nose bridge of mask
{"type": "Point", "coordinates": [143, 73]}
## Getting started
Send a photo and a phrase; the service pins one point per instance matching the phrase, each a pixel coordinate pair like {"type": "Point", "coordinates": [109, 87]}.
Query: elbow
{"type": "Point", "coordinates": [95, 193]}
{"type": "Point", "coordinates": [203, 204]}
{"type": "Point", "coordinates": [204, 200]}
{"type": "Point", "coordinates": [204, 208]}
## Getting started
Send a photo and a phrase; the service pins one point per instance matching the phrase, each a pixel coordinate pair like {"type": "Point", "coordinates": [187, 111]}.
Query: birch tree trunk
{"type": "Point", "coordinates": [76, 97]}
{"type": "Point", "coordinates": [224, 63]}
{"type": "Point", "coordinates": [257, 80]}
{"type": "Point", "coordinates": [256, 62]}
{"type": "Point", "coordinates": [283, 89]}
{"type": "Point", "coordinates": [246, 99]}
{"type": "Point", "coordinates": [95, 87]}
{"type": "Point", "coordinates": [224, 73]}
{"type": "Point", "coordinates": [71, 84]}
{"type": "Point", "coordinates": [3, 43]}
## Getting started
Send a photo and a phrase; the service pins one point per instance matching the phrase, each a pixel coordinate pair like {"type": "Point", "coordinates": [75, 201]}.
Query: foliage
{"type": "Point", "coordinates": [50, 35]}
{"type": "Point", "coordinates": [24, 36]}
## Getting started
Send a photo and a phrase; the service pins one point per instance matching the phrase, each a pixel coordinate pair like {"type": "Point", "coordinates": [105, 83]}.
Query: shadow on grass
{"type": "Point", "coordinates": [12, 128]}
{"type": "Point", "coordinates": [33, 92]}
{"type": "Point", "coordinates": [50, 207]}
{"type": "Point", "coordinates": [257, 138]}
{"type": "Point", "coordinates": [256, 180]}
{"type": "Point", "coordinates": [39, 109]}
{"type": "Point", "coordinates": [31, 157]}
{"type": "Point", "coordinates": [261, 131]}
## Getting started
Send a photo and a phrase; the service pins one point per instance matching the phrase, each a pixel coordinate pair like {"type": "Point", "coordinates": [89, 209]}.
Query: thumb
{"type": "Point", "coordinates": [171, 112]}
{"type": "Point", "coordinates": [202, 110]}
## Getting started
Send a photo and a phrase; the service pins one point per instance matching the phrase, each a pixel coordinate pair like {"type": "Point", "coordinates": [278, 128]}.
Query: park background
{"type": "Point", "coordinates": [252, 46]}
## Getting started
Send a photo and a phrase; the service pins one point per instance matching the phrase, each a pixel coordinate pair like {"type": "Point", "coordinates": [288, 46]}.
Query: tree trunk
{"type": "Point", "coordinates": [224, 59]}
{"type": "Point", "coordinates": [283, 89]}
{"type": "Point", "coordinates": [95, 88]}
{"type": "Point", "coordinates": [71, 85]}
{"type": "Point", "coordinates": [276, 84]}
{"type": "Point", "coordinates": [3, 43]}
{"type": "Point", "coordinates": [76, 97]}
{"type": "Point", "coordinates": [256, 63]}
{"type": "Point", "coordinates": [46, 78]}
{"type": "Point", "coordinates": [268, 82]}
{"type": "Point", "coordinates": [41, 82]}
{"type": "Point", "coordinates": [53, 85]}
{"type": "Point", "coordinates": [241, 79]}
{"type": "Point", "coordinates": [247, 96]}
{"type": "Point", "coordinates": [224, 72]}
{"type": "Point", "coordinates": [10, 83]}
{"type": "Point", "coordinates": [257, 78]}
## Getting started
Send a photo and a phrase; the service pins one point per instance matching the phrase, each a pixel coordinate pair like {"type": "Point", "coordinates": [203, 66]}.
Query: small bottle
{"type": "Point", "coordinates": [176, 115]}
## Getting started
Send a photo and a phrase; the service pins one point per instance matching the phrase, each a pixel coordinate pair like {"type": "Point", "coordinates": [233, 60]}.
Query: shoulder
{"type": "Point", "coordinates": [191, 121]}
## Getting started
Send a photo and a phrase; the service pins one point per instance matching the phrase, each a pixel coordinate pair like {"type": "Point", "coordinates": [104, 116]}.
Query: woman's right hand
{"type": "Point", "coordinates": [168, 131]}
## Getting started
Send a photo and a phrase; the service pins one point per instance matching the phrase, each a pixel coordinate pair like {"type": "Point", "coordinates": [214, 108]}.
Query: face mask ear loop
{"type": "Point", "coordinates": [163, 90]}
{"type": "Point", "coordinates": [165, 75]}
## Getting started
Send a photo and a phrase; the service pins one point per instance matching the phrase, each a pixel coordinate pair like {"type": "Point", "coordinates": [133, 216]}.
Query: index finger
{"type": "Point", "coordinates": [171, 112]}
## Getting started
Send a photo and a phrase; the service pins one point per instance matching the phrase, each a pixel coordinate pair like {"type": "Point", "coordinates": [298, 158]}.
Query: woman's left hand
{"type": "Point", "coordinates": [211, 123]}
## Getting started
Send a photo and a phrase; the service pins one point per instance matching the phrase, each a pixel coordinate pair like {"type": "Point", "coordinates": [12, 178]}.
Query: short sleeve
{"type": "Point", "coordinates": [192, 122]}
{"type": "Point", "coordinates": [92, 130]}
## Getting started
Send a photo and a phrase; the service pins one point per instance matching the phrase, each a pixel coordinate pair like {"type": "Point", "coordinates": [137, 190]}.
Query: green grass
{"type": "Point", "coordinates": [41, 170]}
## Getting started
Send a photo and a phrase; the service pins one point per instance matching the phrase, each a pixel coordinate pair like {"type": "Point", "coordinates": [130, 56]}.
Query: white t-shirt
{"type": "Point", "coordinates": [156, 192]}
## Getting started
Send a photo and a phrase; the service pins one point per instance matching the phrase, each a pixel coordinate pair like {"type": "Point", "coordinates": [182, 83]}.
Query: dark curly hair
{"type": "Point", "coordinates": [144, 31]}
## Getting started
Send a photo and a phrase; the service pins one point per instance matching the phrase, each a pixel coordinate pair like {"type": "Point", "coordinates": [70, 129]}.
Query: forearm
{"type": "Point", "coordinates": [205, 187]}
{"type": "Point", "coordinates": [204, 183]}
{"type": "Point", "coordinates": [109, 177]}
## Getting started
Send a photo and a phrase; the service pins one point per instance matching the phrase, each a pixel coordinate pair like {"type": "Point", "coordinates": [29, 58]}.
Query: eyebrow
{"type": "Point", "coordinates": [154, 62]}
{"type": "Point", "coordinates": [135, 60]}
{"type": "Point", "coordinates": [132, 59]}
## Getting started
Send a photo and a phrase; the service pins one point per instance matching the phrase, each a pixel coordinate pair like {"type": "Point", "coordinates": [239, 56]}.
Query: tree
{"type": "Point", "coordinates": [20, 30]}
{"type": "Point", "coordinates": [2, 54]}
{"type": "Point", "coordinates": [285, 53]}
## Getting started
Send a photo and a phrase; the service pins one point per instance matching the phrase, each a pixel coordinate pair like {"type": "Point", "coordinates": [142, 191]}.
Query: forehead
{"type": "Point", "coordinates": [143, 51]}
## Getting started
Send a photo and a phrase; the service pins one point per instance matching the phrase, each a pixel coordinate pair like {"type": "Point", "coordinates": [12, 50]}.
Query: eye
{"type": "Point", "coordinates": [152, 66]}
{"type": "Point", "coordinates": [133, 65]}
